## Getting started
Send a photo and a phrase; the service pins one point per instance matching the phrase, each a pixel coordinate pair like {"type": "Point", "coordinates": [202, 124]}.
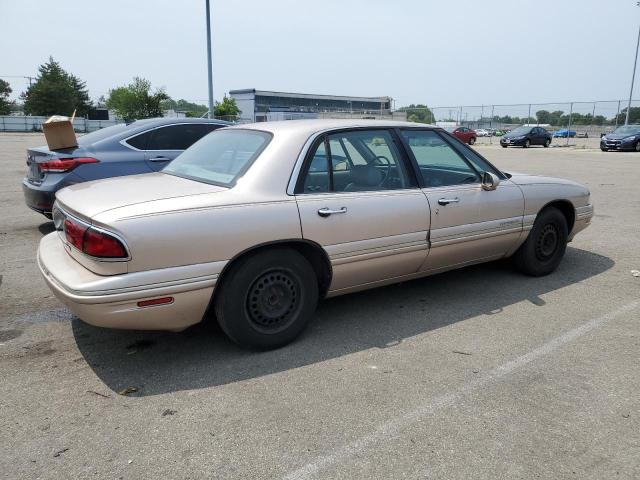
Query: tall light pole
{"type": "Point", "coordinates": [210, 69]}
{"type": "Point", "coordinates": [633, 77]}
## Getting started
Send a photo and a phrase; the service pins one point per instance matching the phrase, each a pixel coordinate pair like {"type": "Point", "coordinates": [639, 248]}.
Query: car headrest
{"type": "Point", "coordinates": [366, 175]}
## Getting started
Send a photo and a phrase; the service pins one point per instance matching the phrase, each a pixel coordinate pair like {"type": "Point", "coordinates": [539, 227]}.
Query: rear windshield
{"type": "Point", "coordinates": [221, 157]}
{"type": "Point", "coordinates": [101, 134]}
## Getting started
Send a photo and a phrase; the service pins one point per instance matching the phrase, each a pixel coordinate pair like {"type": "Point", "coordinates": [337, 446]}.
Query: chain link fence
{"type": "Point", "coordinates": [577, 123]}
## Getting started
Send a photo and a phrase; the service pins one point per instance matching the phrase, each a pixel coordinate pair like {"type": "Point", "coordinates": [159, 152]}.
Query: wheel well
{"type": "Point", "coordinates": [566, 208]}
{"type": "Point", "coordinates": [311, 251]}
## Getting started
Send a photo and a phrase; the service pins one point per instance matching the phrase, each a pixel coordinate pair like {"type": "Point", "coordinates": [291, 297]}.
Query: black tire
{"type": "Point", "coordinates": [527, 143]}
{"type": "Point", "coordinates": [544, 248]}
{"type": "Point", "coordinates": [267, 299]}
{"type": "Point", "coordinates": [637, 146]}
{"type": "Point", "coordinates": [604, 149]}
{"type": "Point", "coordinates": [503, 146]}
{"type": "Point", "coordinates": [472, 140]}
{"type": "Point", "coordinates": [547, 142]}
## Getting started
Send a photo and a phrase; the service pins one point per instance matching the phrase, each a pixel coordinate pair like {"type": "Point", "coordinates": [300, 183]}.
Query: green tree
{"type": "Point", "coordinates": [227, 109]}
{"type": "Point", "coordinates": [182, 105]}
{"type": "Point", "coordinates": [634, 116]}
{"type": "Point", "coordinates": [543, 116]}
{"type": "Point", "coordinates": [418, 113]}
{"type": "Point", "coordinates": [135, 101]}
{"type": "Point", "coordinates": [5, 91]}
{"type": "Point", "coordinates": [56, 91]}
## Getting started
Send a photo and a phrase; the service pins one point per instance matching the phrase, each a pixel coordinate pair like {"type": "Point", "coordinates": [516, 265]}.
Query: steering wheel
{"type": "Point", "coordinates": [387, 172]}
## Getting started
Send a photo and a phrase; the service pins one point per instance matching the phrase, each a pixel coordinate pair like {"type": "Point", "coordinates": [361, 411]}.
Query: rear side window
{"type": "Point", "coordinates": [172, 137]}
{"type": "Point", "coordinates": [140, 141]}
{"type": "Point", "coordinates": [220, 158]}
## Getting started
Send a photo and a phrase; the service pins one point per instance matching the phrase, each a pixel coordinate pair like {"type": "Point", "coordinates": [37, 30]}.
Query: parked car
{"type": "Point", "coordinates": [564, 133]}
{"type": "Point", "coordinates": [481, 132]}
{"type": "Point", "coordinates": [526, 136]}
{"type": "Point", "coordinates": [582, 135]}
{"type": "Point", "coordinates": [626, 137]}
{"type": "Point", "coordinates": [139, 147]}
{"type": "Point", "coordinates": [255, 223]}
{"type": "Point", "coordinates": [500, 133]}
{"type": "Point", "coordinates": [464, 134]}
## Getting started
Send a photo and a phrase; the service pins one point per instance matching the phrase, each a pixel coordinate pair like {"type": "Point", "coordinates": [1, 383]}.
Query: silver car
{"type": "Point", "coordinates": [254, 224]}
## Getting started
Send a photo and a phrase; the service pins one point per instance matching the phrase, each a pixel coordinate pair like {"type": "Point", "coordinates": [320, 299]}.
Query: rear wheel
{"type": "Point", "coordinates": [544, 248]}
{"type": "Point", "coordinates": [527, 143]}
{"type": "Point", "coordinates": [547, 142]}
{"type": "Point", "coordinates": [267, 299]}
{"type": "Point", "coordinates": [472, 140]}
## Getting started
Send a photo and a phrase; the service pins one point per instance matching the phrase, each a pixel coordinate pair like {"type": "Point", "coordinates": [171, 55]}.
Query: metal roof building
{"type": "Point", "coordinates": [262, 105]}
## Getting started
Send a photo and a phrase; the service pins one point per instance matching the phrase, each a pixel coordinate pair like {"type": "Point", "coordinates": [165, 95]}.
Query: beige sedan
{"type": "Point", "coordinates": [255, 223]}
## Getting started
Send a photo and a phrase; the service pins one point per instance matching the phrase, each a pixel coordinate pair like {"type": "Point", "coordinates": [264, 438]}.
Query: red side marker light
{"type": "Point", "coordinates": [155, 301]}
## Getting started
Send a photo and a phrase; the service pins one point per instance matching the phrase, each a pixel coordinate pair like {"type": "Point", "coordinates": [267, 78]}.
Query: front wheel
{"type": "Point", "coordinates": [637, 147]}
{"type": "Point", "coordinates": [503, 146]}
{"type": "Point", "coordinates": [267, 299]}
{"type": "Point", "coordinates": [547, 142]}
{"type": "Point", "coordinates": [527, 143]}
{"type": "Point", "coordinates": [542, 251]}
{"type": "Point", "coordinates": [604, 149]}
{"type": "Point", "coordinates": [472, 140]}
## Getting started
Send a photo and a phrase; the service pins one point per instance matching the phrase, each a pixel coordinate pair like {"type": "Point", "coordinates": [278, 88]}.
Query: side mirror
{"type": "Point", "coordinates": [490, 181]}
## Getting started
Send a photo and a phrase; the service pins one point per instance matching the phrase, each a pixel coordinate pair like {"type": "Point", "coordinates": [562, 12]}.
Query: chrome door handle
{"type": "Point", "coordinates": [160, 159]}
{"type": "Point", "coordinates": [447, 201]}
{"type": "Point", "coordinates": [326, 211]}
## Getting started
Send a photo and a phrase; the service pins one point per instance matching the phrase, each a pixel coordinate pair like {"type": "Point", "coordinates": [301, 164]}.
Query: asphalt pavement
{"type": "Point", "coordinates": [479, 373]}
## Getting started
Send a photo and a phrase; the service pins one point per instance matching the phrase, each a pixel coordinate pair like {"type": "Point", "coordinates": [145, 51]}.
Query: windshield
{"type": "Point", "coordinates": [101, 134]}
{"type": "Point", "coordinates": [221, 157]}
{"type": "Point", "coordinates": [627, 130]}
{"type": "Point", "coordinates": [520, 131]}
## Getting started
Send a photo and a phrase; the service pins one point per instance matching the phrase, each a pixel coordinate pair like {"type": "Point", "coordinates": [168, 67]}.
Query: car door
{"type": "Point", "coordinates": [468, 224]}
{"type": "Point", "coordinates": [536, 137]}
{"type": "Point", "coordinates": [167, 142]}
{"type": "Point", "coordinates": [359, 199]}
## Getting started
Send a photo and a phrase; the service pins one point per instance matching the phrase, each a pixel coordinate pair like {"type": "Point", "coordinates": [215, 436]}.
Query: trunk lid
{"type": "Point", "coordinates": [89, 199]}
{"type": "Point", "coordinates": [38, 155]}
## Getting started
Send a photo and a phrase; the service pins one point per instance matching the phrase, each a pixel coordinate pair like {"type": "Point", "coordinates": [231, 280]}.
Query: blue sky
{"type": "Point", "coordinates": [435, 52]}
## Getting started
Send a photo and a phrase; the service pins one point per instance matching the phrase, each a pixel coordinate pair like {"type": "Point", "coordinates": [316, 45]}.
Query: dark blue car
{"type": "Point", "coordinates": [141, 147]}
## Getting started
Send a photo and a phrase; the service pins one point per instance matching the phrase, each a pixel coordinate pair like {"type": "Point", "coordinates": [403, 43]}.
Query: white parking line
{"type": "Point", "coordinates": [394, 426]}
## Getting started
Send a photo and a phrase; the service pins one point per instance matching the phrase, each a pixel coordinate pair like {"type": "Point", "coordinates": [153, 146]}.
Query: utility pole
{"type": "Point", "coordinates": [209, 63]}
{"type": "Point", "coordinates": [635, 61]}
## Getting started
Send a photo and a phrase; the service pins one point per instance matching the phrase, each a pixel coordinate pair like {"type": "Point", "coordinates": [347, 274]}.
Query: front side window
{"type": "Point", "coordinates": [356, 161]}
{"type": "Point", "coordinates": [220, 158]}
{"type": "Point", "coordinates": [440, 165]}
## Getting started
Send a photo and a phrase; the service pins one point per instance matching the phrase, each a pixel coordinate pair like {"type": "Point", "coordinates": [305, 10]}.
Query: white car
{"type": "Point", "coordinates": [481, 132]}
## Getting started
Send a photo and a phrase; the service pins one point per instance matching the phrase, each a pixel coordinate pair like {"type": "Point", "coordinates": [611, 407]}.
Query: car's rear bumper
{"type": "Point", "coordinates": [86, 294]}
{"type": "Point", "coordinates": [38, 198]}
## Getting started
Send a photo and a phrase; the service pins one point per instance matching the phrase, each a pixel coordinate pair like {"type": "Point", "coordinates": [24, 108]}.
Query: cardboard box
{"type": "Point", "coordinates": [58, 131]}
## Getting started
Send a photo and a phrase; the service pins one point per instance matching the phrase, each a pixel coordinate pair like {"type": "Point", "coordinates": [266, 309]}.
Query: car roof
{"type": "Point", "coordinates": [170, 120]}
{"type": "Point", "coordinates": [309, 127]}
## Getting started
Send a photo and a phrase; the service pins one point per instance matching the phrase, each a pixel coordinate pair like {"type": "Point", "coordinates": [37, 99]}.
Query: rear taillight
{"type": "Point", "coordinates": [102, 245]}
{"type": "Point", "coordinates": [74, 232]}
{"type": "Point", "coordinates": [60, 165]}
{"type": "Point", "coordinates": [93, 242]}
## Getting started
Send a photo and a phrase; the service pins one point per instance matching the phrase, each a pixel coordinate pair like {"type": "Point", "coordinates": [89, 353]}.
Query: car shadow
{"type": "Point", "coordinates": [200, 357]}
{"type": "Point", "coordinates": [46, 228]}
